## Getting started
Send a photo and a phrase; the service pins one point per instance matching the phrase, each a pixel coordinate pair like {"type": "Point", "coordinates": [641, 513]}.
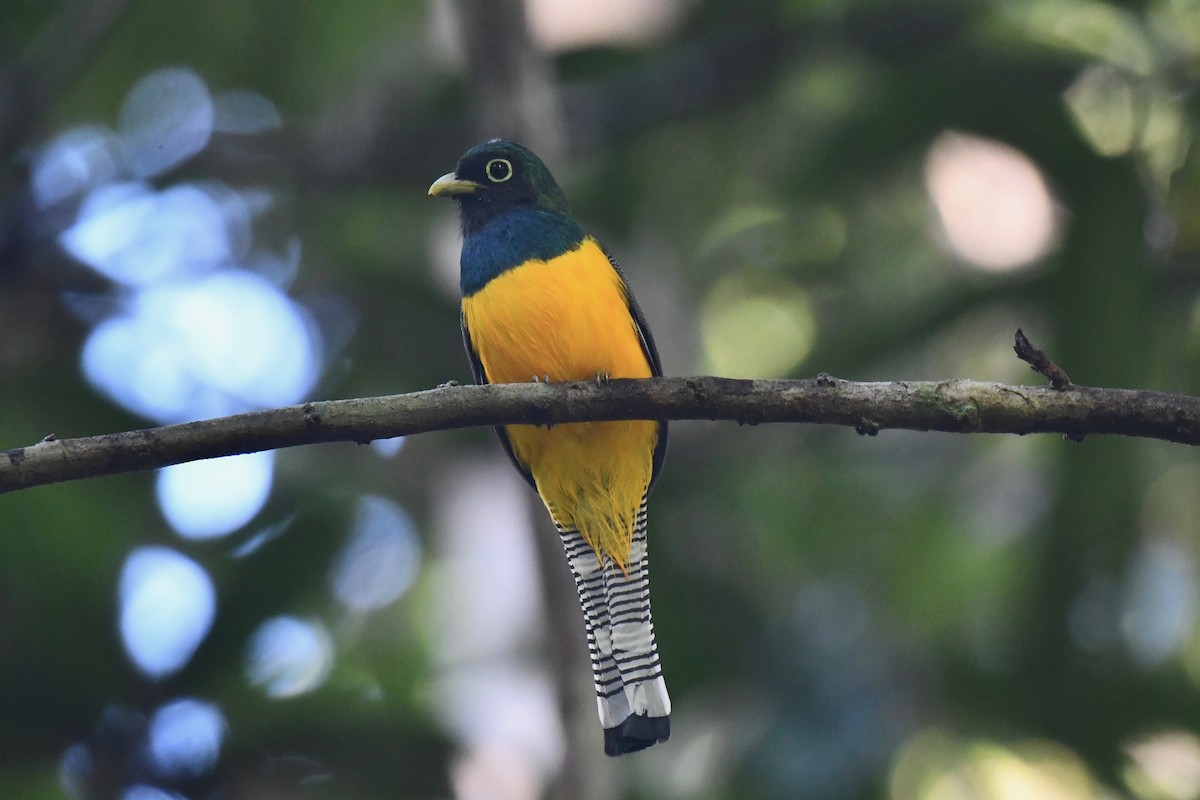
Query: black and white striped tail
{"type": "Point", "coordinates": [631, 694]}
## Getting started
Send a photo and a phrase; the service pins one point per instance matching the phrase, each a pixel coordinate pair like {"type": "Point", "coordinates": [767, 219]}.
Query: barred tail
{"type": "Point", "coordinates": [631, 694]}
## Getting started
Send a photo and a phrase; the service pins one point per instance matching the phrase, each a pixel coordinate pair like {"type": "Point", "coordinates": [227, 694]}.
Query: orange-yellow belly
{"type": "Point", "coordinates": [568, 319]}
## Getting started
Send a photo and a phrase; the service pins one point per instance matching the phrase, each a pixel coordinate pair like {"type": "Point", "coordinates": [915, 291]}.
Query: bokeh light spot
{"type": "Point", "coordinates": [737, 224]}
{"type": "Point", "coordinates": [75, 770]}
{"type": "Point", "coordinates": [491, 771]}
{"type": "Point", "coordinates": [244, 336]}
{"type": "Point", "coordinates": [933, 765]}
{"type": "Point", "coordinates": [388, 448]}
{"type": "Point", "coordinates": [167, 604]}
{"type": "Point", "coordinates": [380, 559]}
{"type": "Point", "coordinates": [1096, 29]}
{"type": "Point", "coordinates": [994, 205]}
{"type": "Point", "coordinates": [1159, 607]}
{"type": "Point", "coordinates": [567, 24]}
{"type": "Point", "coordinates": [214, 497]}
{"type": "Point", "coordinates": [134, 360]}
{"type": "Point", "coordinates": [505, 703]}
{"type": "Point", "coordinates": [756, 331]}
{"type": "Point", "coordinates": [224, 343]}
{"type": "Point", "coordinates": [1101, 103]}
{"type": "Point", "coordinates": [107, 226]}
{"type": "Point", "coordinates": [289, 656]}
{"type": "Point", "coordinates": [138, 237]}
{"type": "Point", "coordinates": [72, 163]}
{"type": "Point", "coordinates": [185, 737]}
{"type": "Point", "coordinates": [1164, 766]}
{"type": "Point", "coordinates": [166, 118]}
{"type": "Point", "coordinates": [144, 791]}
{"type": "Point", "coordinates": [244, 112]}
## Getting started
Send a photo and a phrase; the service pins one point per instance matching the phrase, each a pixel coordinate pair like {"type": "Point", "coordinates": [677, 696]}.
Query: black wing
{"type": "Point", "coordinates": [639, 321]}
{"type": "Point", "coordinates": [481, 378]}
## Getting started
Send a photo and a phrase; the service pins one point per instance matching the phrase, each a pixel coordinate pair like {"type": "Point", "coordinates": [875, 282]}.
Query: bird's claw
{"type": "Point", "coordinates": [448, 384]}
{"type": "Point", "coordinates": [601, 377]}
{"type": "Point", "coordinates": [546, 380]}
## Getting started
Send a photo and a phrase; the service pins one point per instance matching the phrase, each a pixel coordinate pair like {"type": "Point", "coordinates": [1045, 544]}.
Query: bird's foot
{"type": "Point", "coordinates": [546, 380]}
{"type": "Point", "coordinates": [448, 384]}
{"type": "Point", "coordinates": [601, 377]}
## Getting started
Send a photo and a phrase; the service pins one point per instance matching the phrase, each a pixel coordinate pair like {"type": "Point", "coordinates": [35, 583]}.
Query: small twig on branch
{"type": "Point", "coordinates": [1040, 363]}
{"type": "Point", "coordinates": [957, 406]}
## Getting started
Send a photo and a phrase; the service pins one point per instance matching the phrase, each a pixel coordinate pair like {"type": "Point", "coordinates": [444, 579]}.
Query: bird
{"type": "Point", "coordinates": [543, 301]}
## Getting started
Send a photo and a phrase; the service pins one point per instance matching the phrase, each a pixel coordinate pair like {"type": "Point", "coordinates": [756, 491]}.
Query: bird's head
{"type": "Point", "coordinates": [497, 177]}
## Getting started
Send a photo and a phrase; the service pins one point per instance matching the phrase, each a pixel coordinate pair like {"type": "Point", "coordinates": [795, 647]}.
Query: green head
{"type": "Point", "coordinates": [497, 177]}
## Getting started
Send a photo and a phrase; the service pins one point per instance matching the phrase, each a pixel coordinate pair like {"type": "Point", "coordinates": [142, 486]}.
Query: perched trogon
{"type": "Point", "coordinates": [543, 301]}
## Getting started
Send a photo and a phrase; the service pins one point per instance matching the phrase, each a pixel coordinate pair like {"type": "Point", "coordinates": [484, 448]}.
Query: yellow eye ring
{"type": "Point", "coordinates": [499, 170]}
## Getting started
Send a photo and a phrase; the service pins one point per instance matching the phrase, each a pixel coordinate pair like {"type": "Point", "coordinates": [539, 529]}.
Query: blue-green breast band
{"type": "Point", "coordinates": [509, 240]}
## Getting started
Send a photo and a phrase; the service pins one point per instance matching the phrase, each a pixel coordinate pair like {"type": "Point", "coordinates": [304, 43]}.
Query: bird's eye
{"type": "Point", "coordinates": [499, 170]}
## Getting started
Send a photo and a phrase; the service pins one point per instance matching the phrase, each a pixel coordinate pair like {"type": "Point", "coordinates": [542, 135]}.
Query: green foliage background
{"type": "Point", "coordinates": [839, 616]}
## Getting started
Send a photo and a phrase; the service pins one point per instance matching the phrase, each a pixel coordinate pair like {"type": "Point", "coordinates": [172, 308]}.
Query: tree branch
{"type": "Point", "coordinates": [1039, 362]}
{"type": "Point", "coordinates": [956, 406]}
